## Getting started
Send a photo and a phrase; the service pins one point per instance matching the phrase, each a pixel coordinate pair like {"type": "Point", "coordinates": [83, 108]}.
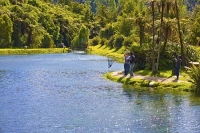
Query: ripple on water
{"type": "Point", "coordinates": [67, 93]}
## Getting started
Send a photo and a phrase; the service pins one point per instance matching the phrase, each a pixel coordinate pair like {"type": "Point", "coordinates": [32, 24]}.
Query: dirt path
{"type": "Point", "coordinates": [155, 79]}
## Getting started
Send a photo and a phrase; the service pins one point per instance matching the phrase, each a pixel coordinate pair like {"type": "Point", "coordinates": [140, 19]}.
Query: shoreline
{"type": "Point", "coordinates": [22, 51]}
{"type": "Point", "coordinates": [143, 79]}
{"type": "Point", "coordinates": [146, 82]}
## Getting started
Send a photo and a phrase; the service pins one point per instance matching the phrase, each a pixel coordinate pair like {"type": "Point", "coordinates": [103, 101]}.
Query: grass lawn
{"type": "Point", "coordinates": [32, 51]}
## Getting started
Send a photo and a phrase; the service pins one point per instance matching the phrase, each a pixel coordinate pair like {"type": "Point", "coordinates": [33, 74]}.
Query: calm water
{"type": "Point", "coordinates": [65, 93]}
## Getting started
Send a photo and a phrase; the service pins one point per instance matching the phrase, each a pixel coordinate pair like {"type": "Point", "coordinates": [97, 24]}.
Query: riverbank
{"type": "Point", "coordinates": [33, 51]}
{"type": "Point", "coordinates": [141, 82]}
{"type": "Point", "coordinates": [143, 78]}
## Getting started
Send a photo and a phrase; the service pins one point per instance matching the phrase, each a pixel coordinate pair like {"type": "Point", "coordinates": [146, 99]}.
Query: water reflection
{"type": "Point", "coordinates": [165, 112]}
{"type": "Point", "coordinates": [67, 93]}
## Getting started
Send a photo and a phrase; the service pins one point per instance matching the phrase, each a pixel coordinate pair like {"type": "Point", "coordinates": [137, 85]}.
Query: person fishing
{"type": "Point", "coordinates": [177, 67]}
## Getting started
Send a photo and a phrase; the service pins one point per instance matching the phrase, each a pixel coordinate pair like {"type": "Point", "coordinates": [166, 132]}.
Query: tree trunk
{"type": "Point", "coordinates": [160, 35]}
{"type": "Point", "coordinates": [180, 35]}
{"type": "Point", "coordinates": [153, 42]}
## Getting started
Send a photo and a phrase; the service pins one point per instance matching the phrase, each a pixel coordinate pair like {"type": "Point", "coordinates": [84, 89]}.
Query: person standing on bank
{"type": "Point", "coordinates": [174, 66]}
{"type": "Point", "coordinates": [126, 63]}
{"type": "Point", "coordinates": [178, 66]}
{"type": "Point", "coordinates": [132, 63]}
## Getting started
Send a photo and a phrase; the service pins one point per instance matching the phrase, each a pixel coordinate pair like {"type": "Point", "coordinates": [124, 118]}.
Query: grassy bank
{"type": "Point", "coordinates": [32, 51]}
{"type": "Point", "coordinates": [117, 54]}
{"type": "Point", "coordinates": [143, 84]}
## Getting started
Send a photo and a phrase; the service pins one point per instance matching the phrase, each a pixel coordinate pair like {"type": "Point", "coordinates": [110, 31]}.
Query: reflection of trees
{"type": "Point", "coordinates": [163, 112]}
{"type": "Point", "coordinates": [194, 99]}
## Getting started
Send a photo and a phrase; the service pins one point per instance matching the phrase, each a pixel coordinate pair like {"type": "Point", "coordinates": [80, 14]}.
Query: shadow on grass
{"type": "Point", "coordinates": [120, 79]}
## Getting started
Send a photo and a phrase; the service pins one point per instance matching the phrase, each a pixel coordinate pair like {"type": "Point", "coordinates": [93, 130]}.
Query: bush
{"type": "Point", "coordinates": [103, 42]}
{"type": "Point", "coordinates": [111, 42]}
{"type": "Point", "coordinates": [127, 42]}
{"type": "Point", "coordinates": [118, 41]}
{"type": "Point", "coordinates": [47, 41]}
{"type": "Point", "coordinates": [107, 32]}
{"type": "Point", "coordinates": [192, 53]}
{"type": "Point", "coordinates": [4, 2]}
{"type": "Point", "coordinates": [195, 77]}
{"type": "Point", "coordinates": [95, 41]}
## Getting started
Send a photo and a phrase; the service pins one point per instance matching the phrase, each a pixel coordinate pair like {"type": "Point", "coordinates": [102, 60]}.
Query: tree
{"type": "Point", "coordinates": [180, 34]}
{"type": "Point", "coordinates": [6, 28]}
{"type": "Point", "coordinates": [4, 2]}
{"type": "Point", "coordinates": [82, 38]}
{"type": "Point", "coordinates": [48, 24]}
{"type": "Point", "coordinates": [102, 15]}
{"type": "Point", "coordinates": [153, 42]}
{"type": "Point", "coordinates": [47, 41]}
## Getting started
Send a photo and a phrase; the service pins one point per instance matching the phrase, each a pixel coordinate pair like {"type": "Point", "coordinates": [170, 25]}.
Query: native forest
{"type": "Point", "coordinates": [153, 29]}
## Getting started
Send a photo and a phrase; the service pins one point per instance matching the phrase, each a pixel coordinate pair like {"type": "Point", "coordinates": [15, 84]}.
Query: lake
{"type": "Point", "coordinates": [66, 93]}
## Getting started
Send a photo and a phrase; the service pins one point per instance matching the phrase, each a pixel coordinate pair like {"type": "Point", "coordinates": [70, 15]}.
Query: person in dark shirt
{"type": "Point", "coordinates": [174, 66]}
{"type": "Point", "coordinates": [177, 67]}
{"type": "Point", "coordinates": [132, 63]}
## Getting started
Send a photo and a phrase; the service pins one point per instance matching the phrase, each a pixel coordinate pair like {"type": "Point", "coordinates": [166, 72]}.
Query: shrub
{"type": "Point", "coordinates": [107, 32]}
{"type": "Point", "coordinates": [192, 53]}
{"type": "Point", "coordinates": [127, 42]}
{"type": "Point", "coordinates": [111, 42]}
{"type": "Point", "coordinates": [195, 77]}
{"type": "Point", "coordinates": [103, 42]}
{"type": "Point", "coordinates": [95, 41]}
{"type": "Point", "coordinates": [118, 41]}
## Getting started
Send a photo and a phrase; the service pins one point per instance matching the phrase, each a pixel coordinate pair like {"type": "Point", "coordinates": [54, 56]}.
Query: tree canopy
{"type": "Point", "coordinates": [154, 29]}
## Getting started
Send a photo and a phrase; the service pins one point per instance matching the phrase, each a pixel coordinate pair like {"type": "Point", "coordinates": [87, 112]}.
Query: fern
{"type": "Point", "coordinates": [195, 77]}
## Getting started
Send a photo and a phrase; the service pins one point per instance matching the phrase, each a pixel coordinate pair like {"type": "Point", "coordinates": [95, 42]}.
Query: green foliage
{"type": "Point", "coordinates": [49, 25]}
{"type": "Point", "coordinates": [107, 32]}
{"type": "Point", "coordinates": [192, 53]}
{"type": "Point", "coordinates": [110, 42]}
{"type": "Point", "coordinates": [65, 2]}
{"type": "Point", "coordinates": [82, 38]}
{"type": "Point", "coordinates": [102, 15]}
{"type": "Point", "coordinates": [195, 77]}
{"type": "Point", "coordinates": [4, 2]}
{"type": "Point", "coordinates": [194, 35]}
{"type": "Point", "coordinates": [38, 21]}
{"type": "Point", "coordinates": [95, 41]}
{"type": "Point", "coordinates": [124, 26]}
{"type": "Point", "coordinates": [128, 41]}
{"type": "Point", "coordinates": [103, 42]}
{"type": "Point", "coordinates": [6, 28]}
{"type": "Point", "coordinates": [47, 41]}
{"type": "Point", "coordinates": [77, 8]}
{"type": "Point", "coordinates": [125, 23]}
{"type": "Point", "coordinates": [118, 42]}
{"type": "Point", "coordinates": [34, 3]}
{"type": "Point", "coordinates": [88, 15]}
